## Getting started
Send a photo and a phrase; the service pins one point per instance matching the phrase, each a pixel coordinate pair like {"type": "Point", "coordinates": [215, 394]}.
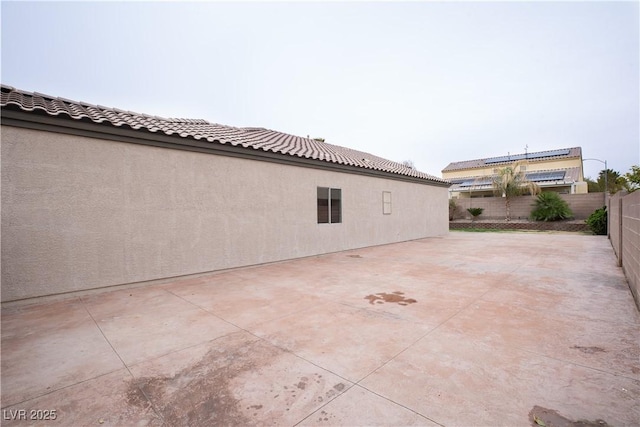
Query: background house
{"type": "Point", "coordinates": [94, 197]}
{"type": "Point", "coordinates": [555, 170]}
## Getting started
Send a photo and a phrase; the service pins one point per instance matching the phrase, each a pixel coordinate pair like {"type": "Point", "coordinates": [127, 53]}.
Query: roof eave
{"type": "Point", "coordinates": [66, 125]}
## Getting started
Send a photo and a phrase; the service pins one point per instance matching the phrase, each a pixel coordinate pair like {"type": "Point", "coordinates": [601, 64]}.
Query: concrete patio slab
{"type": "Point", "coordinates": [51, 346]}
{"type": "Point", "coordinates": [246, 303]}
{"type": "Point", "coordinates": [358, 406]}
{"type": "Point", "coordinates": [465, 382]}
{"type": "Point", "coordinates": [583, 341]}
{"type": "Point", "coordinates": [159, 319]}
{"type": "Point", "coordinates": [467, 329]}
{"type": "Point", "coordinates": [102, 401]}
{"type": "Point", "coordinates": [348, 341]}
{"type": "Point", "coordinates": [254, 383]}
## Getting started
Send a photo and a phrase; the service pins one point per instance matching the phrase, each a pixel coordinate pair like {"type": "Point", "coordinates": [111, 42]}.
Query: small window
{"type": "Point", "coordinates": [329, 205]}
{"type": "Point", "coordinates": [523, 168]}
{"type": "Point", "coordinates": [386, 202]}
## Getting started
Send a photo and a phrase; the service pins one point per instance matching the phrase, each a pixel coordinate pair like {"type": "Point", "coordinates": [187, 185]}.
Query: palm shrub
{"type": "Point", "coordinates": [511, 181]}
{"type": "Point", "coordinates": [475, 212]}
{"type": "Point", "coordinates": [597, 221]}
{"type": "Point", "coordinates": [453, 209]}
{"type": "Point", "coordinates": [549, 206]}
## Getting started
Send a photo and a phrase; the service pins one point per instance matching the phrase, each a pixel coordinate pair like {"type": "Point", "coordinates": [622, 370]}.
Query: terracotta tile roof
{"type": "Point", "coordinates": [564, 153]}
{"type": "Point", "coordinates": [202, 130]}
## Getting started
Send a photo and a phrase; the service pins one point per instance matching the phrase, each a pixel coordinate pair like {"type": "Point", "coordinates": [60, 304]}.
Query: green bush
{"type": "Point", "coordinates": [475, 212]}
{"type": "Point", "coordinates": [549, 206]}
{"type": "Point", "coordinates": [597, 221]}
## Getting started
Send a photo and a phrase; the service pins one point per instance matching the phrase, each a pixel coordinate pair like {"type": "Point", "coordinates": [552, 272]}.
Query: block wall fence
{"type": "Point", "coordinates": [624, 234]}
{"type": "Point", "coordinates": [582, 205]}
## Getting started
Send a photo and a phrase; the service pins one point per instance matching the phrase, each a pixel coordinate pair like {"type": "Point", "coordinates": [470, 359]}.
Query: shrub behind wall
{"type": "Point", "coordinates": [549, 206]}
{"type": "Point", "coordinates": [597, 221]}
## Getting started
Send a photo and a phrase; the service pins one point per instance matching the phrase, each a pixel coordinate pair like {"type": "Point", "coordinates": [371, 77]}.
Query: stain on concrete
{"type": "Point", "coordinates": [589, 350]}
{"type": "Point", "coordinates": [354, 256]}
{"type": "Point", "coordinates": [135, 397]}
{"type": "Point", "coordinates": [303, 389]}
{"type": "Point", "coordinates": [336, 390]}
{"type": "Point", "coordinates": [324, 416]}
{"type": "Point", "coordinates": [255, 408]}
{"type": "Point", "coordinates": [199, 394]}
{"type": "Point", "coordinates": [205, 400]}
{"type": "Point", "coordinates": [394, 297]}
{"type": "Point", "coordinates": [330, 394]}
{"type": "Point", "coordinates": [543, 417]}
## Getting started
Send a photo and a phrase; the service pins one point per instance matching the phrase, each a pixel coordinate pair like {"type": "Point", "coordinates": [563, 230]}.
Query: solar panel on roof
{"type": "Point", "coordinates": [476, 182]}
{"type": "Point", "coordinates": [528, 156]}
{"type": "Point", "coordinates": [553, 153]}
{"type": "Point", "coordinates": [546, 176]}
{"type": "Point", "coordinates": [502, 159]}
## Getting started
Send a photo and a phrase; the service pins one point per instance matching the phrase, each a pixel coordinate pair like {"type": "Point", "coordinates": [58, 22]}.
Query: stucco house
{"type": "Point", "coordinates": [95, 197]}
{"type": "Point", "coordinates": [553, 170]}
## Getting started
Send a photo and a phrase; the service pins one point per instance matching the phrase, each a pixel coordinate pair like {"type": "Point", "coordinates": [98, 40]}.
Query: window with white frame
{"type": "Point", "coordinates": [329, 205]}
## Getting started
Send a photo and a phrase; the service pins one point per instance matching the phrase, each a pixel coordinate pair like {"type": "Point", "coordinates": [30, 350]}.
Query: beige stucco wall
{"type": "Point", "coordinates": [81, 213]}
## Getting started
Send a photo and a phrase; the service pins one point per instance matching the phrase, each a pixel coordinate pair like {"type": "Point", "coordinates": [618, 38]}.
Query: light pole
{"type": "Point", "coordinates": [606, 177]}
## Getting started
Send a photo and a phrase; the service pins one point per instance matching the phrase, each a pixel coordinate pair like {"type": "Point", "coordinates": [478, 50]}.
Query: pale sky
{"type": "Point", "coordinates": [430, 82]}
